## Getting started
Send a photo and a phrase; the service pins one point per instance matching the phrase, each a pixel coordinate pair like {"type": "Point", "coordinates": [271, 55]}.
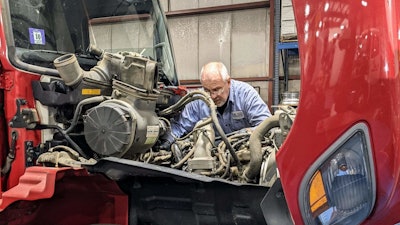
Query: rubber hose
{"type": "Point", "coordinates": [255, 146]}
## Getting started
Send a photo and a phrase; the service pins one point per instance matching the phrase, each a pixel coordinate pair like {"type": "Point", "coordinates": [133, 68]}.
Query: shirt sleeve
{"type": "Point", "coordinates": [185, 121]}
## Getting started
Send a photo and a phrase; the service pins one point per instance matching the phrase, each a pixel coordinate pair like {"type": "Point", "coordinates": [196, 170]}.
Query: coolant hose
{"type": "Point", "coordinates": [256, 155]}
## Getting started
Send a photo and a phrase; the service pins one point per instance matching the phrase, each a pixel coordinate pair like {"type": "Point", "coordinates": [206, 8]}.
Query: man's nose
{"type": "Point", "coordinates": [214, 95]}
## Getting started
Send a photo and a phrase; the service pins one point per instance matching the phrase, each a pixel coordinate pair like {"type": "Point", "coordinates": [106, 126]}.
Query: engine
{"type": "Point", "coordinates": [120, 108]}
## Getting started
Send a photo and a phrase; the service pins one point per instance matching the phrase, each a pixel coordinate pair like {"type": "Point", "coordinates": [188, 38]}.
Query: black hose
{"type": "Point", "coordinates": [66, 136]}
{"type": "Point", "coordinates": [79, 109]}
{"type": "Point", "coordinates": [192, 96]}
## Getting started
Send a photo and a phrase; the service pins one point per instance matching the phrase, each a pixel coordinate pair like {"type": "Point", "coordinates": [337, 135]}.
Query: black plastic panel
{"type": "Point", "coordinates": [160, 195]}
{"type": "Point", "coordinates": [274, 206]}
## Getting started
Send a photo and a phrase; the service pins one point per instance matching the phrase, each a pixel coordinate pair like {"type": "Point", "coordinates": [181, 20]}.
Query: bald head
{"type": "Point", "coordinates": [214, 71]}
{"type": "Point", "coordinates": [216, 81]}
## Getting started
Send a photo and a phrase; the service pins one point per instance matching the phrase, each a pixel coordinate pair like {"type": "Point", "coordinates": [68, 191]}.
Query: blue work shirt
{"type": "Point", "coordinates": [244, 109]}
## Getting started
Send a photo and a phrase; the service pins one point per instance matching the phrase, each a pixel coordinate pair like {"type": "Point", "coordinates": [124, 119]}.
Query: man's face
{"type": "Point", "coordinates": [217, 88]}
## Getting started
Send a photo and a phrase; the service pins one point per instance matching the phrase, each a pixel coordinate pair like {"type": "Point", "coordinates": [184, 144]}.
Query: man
{"type": "Point", "coordinates": [238, 104]}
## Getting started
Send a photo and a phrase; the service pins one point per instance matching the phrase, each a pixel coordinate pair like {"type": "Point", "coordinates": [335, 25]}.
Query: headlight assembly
{"type": "Point", "coordinates": [340, 187]}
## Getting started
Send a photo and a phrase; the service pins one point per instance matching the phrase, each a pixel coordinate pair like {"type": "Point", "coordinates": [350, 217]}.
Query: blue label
{"type": "Point", "coordinates": [37, 36]}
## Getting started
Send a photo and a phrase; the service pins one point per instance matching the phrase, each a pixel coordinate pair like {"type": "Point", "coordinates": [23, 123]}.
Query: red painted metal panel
{"type": "Point", "coordinates": [21, 91]}
{"type": "Point", "coordinates": [35, 183]}
{"type": "Point", "coordinates": [3, 145]}
{"type": "Point", "coordinates": [349, 51]}
{"type": "Point", "coordinates": [63, 196]}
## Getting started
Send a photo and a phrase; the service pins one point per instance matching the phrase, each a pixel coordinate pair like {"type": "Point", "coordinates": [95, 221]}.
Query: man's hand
{"type": "Point", "coordinates": [247, 130]}
{"type": "Point", "coordinates": [166, 141]}
{"type": "Point", "coordinates": [166, 145]}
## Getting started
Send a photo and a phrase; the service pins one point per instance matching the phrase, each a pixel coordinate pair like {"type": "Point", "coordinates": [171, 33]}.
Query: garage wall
{"type": "Point", "coordinates": [240, 39]}
{"type": "Point", "coordinates": [289, 34]}
{"type": "Point", "coordinates": [172, 5]}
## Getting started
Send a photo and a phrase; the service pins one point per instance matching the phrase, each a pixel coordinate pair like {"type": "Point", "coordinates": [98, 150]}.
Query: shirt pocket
{"type": "Point", "coordinates": [238, 123]}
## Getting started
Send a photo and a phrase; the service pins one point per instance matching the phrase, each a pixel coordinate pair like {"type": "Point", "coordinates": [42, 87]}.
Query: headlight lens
{"type": "Point", "coordinates": [340, 187]}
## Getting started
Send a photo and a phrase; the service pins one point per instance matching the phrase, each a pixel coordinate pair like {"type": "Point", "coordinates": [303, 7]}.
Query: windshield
{"type": "Point", "coordinates": [42, 30]}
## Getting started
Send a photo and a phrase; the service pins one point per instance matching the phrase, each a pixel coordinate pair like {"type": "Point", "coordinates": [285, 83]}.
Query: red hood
{"type": "Point", "coordinates": [350, 73]}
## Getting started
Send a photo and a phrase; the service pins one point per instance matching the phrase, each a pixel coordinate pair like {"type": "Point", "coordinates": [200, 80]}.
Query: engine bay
{"type": "Point", "coordinates": [121, 108]}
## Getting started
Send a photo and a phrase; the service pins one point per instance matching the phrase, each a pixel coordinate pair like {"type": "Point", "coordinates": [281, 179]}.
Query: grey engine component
{"type": "Point", "coordinates": [126, 123]}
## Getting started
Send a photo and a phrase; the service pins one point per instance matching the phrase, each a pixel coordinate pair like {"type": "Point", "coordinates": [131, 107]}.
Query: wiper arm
{"type": "Point", "coordinates": [49, 51]}
{"type": "Point", "coordinates": [45, 58]}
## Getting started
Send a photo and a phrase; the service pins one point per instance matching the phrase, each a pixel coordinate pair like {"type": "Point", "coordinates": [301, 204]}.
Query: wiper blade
{"type": "Point", "coordinates": [49, 51]}
{"type": "Point", "coordinates": [45, 58]}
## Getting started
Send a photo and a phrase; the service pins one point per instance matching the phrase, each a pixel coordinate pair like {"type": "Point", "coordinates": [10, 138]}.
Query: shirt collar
{"type": "Point", "coordinates": [231, 93]}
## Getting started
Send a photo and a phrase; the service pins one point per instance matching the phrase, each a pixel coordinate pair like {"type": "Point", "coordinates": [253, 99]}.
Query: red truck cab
{"type": "Point", "coordinates": [88, 89]}
{"type": "Point", "coordinates": [339, 164]}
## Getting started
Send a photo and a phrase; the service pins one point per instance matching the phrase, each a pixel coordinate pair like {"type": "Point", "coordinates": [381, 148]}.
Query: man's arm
{"type": "Point", "coordinates": [191, 114]}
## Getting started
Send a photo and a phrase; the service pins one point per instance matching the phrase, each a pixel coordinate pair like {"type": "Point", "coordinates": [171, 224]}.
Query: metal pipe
{"type": "Point", "coordinates": [277, 36]}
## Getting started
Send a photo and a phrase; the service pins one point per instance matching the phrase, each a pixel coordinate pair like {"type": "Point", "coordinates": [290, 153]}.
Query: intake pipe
{"type": "Point", "coordinates": [256, 155]}
{"type": "Point", "coordinates": [72, 74]}
{"type": "Point", "coordinates": [204, 140]}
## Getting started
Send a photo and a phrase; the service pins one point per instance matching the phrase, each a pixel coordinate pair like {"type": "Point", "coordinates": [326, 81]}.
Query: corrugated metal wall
{"type": "Point", "coordinates": [240, 39]}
